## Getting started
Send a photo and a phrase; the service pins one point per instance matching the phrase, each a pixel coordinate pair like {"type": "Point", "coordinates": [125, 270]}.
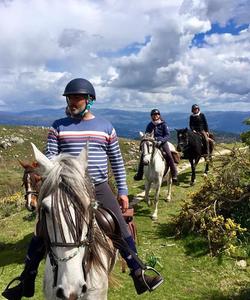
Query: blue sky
{"type": "Point", "coordinates": [230, 27]}
{"type": "Point", "coordinates": [138, 55]}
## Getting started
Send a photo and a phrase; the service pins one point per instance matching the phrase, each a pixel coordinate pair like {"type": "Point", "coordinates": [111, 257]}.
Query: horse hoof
{"type": "Point", "coordinates": [192, 183]}
{"type": "Point", "coordinates": [167, 199]}
{"type": "Point", "coordinates": [205, 175]}
{"type": "Point", "coordinates": [154, 218]}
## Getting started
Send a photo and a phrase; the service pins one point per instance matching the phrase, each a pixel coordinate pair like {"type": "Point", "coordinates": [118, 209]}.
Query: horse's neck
{"type": "Point", "coordinates": [193, 138]}
{"type": "Point", "coordinates": [157, 156]}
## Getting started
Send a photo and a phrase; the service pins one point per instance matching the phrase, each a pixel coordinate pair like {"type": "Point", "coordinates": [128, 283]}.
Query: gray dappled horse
{"type": "Point", "coordinates": [155, 168]}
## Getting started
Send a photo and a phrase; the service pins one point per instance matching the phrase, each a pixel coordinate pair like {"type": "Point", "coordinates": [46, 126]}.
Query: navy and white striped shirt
{"type": "Point", "coordinates": [70, 135]}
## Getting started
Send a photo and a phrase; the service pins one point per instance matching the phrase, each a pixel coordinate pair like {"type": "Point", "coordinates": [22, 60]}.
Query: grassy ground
{"type": "Point", "coordinates": [189, 271]}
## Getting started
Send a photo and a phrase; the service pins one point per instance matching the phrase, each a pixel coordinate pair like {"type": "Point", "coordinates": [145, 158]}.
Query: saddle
{"type": "Point", "coordinates": [175, 154]}
{"type": "Point", "coordinates": [203, 141]}
{"type": "Point", "coordinates": [107, 221]}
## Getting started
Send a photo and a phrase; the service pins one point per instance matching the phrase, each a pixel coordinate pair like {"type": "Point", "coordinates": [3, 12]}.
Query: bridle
{"type": "Point", "coordinates": [146, 142]}
{"type": "Point", "coordinates": [86, 242]}
{"type": "Point", "coordinates": [183, 141]}
{"type": "Point", "coordinates": [31, 183]}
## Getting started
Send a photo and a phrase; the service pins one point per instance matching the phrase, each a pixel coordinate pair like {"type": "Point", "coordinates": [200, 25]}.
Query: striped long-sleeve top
{"type": "Point", "coordinates": [70, 135]}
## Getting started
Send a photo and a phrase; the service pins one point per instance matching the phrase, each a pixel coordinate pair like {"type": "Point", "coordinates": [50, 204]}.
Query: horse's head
{"type": "Point", "coordinates": [31, 183]}
{"type": "Point", "coordinates": [182, 139]}
{"type": "Point", "coordinates": [65, 208]}
{"type": "Point", "coordinates": [147, 147]}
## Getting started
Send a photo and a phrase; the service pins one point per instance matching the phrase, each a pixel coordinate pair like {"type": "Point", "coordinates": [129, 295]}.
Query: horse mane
{"type": "Point", "coordinates": [67, 182]}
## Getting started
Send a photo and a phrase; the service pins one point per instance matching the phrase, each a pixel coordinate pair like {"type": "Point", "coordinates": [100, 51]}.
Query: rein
{"type": "Point", "coordinates": [145, 140]}
{"type": "Point", "coordinates": [86, 242]}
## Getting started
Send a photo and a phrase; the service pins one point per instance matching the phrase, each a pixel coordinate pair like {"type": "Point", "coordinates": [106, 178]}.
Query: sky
{"type": "Point", "coordinates": [139, 55]}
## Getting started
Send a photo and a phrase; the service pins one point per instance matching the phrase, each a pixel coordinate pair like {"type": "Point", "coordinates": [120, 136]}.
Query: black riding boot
{"type": "Point", "coordinates": [26, 285]}
{"type": "Point", "coordinates": [139, 175]}
{"type": "Point", "coordinates": [143, 282]}
{"type": "Point", "coordinates": [170, 161]}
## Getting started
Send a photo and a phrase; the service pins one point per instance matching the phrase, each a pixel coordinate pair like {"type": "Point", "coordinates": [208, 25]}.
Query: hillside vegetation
{"type": "Point", "coordinates": [185, 262]}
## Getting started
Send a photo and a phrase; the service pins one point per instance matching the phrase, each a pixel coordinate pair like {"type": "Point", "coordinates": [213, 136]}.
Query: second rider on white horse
{"type": "Point", "coordinates": [161, 135]}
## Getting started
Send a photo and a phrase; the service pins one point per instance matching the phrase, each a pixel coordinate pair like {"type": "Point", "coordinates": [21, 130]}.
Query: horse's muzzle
{"type": "Point", "coordinates": [61, 295]}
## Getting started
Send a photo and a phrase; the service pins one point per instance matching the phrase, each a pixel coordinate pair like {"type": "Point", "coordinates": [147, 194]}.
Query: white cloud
{"type": "Point", "coordinates": [138, 54]}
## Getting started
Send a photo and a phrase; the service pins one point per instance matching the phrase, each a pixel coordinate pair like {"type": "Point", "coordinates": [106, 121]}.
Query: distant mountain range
{"type": "Point", "coordinates": [128, 123]}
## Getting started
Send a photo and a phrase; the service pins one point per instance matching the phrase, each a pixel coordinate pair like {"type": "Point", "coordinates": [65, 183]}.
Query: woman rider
{"type": "Point", "coordinates": [161, 135]}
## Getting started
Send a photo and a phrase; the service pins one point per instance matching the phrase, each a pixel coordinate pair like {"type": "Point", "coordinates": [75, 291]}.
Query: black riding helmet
{"type": "Point", "coordinates": [155, 111]}
{"type": "Point", "coordinates": [194, 106]}
{"type": "Point", "coordinates": [79, 86]}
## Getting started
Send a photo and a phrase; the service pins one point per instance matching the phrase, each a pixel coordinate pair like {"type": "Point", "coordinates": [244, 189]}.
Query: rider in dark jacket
{"type": "Point", "coordinates": [198, 123]}
{"type": "Point", "coordinates": [161, 135]}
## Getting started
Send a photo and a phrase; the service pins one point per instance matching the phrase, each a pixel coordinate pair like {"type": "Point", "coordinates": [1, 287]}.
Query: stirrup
{"type": "Point", "coordinates": [143, 275]}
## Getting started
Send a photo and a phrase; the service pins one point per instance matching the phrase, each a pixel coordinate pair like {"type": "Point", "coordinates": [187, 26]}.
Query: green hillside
{"type": "Point", "coordinates": [189, 270]}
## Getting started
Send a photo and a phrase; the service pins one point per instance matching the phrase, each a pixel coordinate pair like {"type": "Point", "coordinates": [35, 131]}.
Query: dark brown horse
{"type": "Point", "coordinates": [192, 147]}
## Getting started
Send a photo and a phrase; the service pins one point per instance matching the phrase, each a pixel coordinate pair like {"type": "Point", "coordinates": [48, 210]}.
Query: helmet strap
{"type": "Point", "coordinates": [89, 104]}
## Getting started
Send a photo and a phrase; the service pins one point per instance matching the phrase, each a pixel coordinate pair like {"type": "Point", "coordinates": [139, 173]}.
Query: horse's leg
{"type": "Point", "coordinates": [206, 166]}
{"type": "Point", "coordinates": [169, 186]}
{"type": "Point", "coordinates": [147, 189]}
{"type": "Point", "coordinates": [193, 166]}
{"type": "Point", "coordinates": [156, 199]}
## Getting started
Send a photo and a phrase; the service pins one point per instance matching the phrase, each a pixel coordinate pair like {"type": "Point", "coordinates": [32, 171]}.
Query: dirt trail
{"type": "Point", "coordinates": [186, 165]}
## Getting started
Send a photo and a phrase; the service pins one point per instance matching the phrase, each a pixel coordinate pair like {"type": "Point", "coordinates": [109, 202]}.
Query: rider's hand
{"type": "Point", "coordinates": [124, 202]}
{"type": "Point", "coordinates": [158, 143]}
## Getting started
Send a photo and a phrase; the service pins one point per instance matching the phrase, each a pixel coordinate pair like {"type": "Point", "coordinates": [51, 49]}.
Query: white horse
{"type": "Point", "coordinates": [154, 169]}
{"type": "Point", "coordinates": [79, 256]}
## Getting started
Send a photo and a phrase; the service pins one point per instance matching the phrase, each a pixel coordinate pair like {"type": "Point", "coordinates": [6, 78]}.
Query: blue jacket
{"type": "Point", "coordinates": [161, 132]}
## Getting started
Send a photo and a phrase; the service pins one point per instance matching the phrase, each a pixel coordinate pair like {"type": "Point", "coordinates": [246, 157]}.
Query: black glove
{"type": "Point", "coordinates": [158, 144]}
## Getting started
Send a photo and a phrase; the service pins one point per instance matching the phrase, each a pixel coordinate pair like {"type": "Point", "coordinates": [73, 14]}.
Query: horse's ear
{"type": "Point", "coordinates": [83, 156]}
{"type": "Point", "coordinates": [22, 163]}
{"type": "Point", "coordinates": [141, 134]}
{"type": "Point", "coordinates": [35, 164]}
{"type": "Point", "coordinates": [41, 159]}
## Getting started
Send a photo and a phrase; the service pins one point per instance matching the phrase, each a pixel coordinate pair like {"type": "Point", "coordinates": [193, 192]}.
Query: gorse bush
{"type": "Point", "coordinates": [220, 210]}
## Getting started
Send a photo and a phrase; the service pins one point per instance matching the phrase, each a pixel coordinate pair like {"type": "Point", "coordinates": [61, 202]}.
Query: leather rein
{"type": "Point", "coordinates": [150, 140]}
{"type": "Point", "coordinates": [86, 242]}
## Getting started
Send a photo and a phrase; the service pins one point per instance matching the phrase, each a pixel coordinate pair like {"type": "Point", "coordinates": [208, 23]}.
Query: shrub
{"type": "Point", "coordinates": [220, 210]}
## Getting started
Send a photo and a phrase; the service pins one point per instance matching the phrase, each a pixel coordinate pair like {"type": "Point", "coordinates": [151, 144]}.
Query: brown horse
{"type": "Point", "coordinates": [31, 183]}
